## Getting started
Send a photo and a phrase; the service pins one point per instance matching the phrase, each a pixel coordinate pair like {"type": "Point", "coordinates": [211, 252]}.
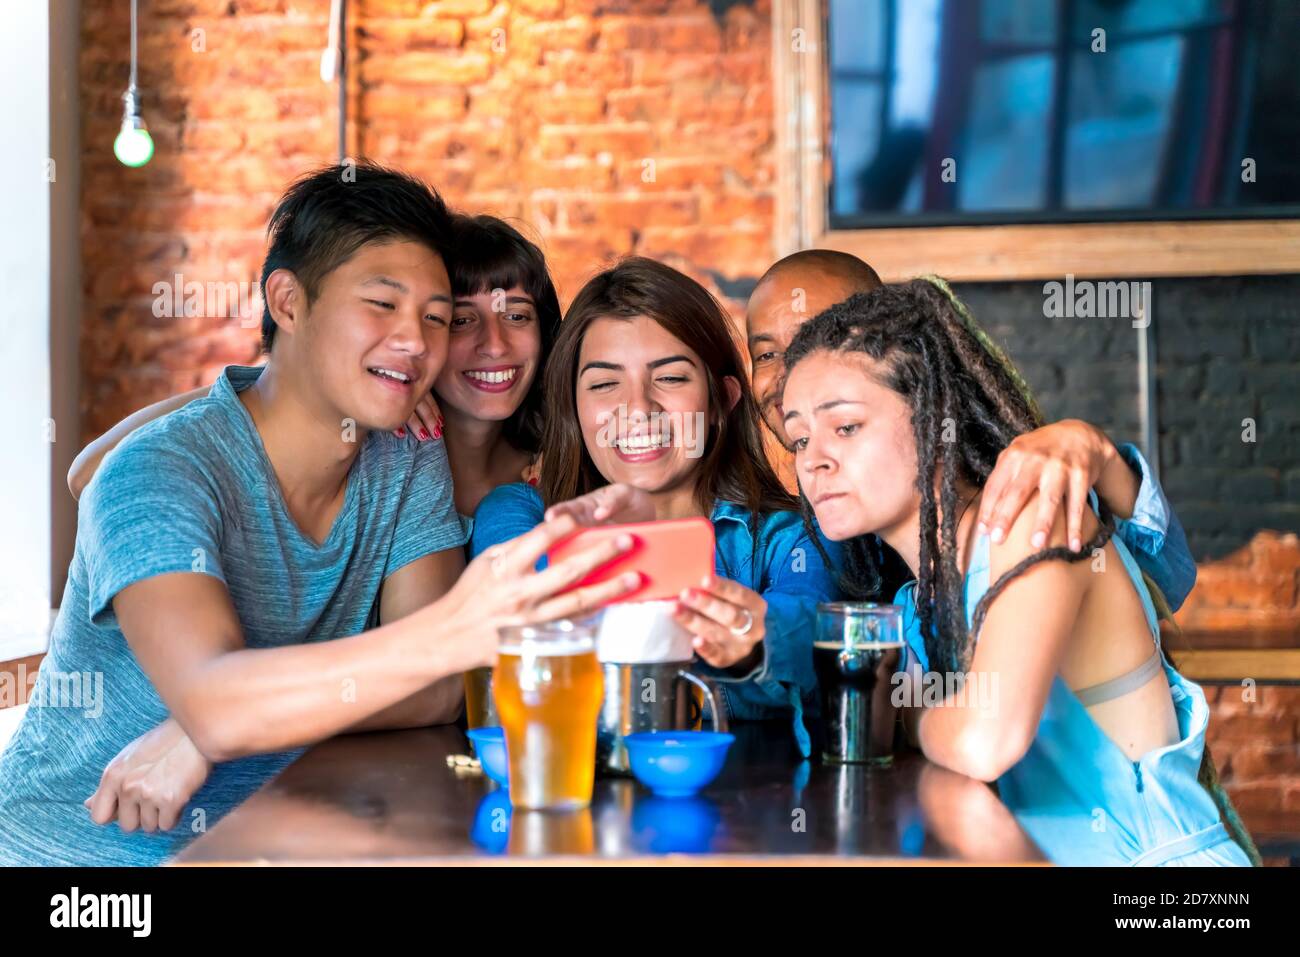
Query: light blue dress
{"type": "Point", "coordinates": [1077, 794]}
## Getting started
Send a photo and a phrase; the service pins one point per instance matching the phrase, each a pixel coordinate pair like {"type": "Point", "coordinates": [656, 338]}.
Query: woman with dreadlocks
{"type": "Point", "coordinates": [898, 410]}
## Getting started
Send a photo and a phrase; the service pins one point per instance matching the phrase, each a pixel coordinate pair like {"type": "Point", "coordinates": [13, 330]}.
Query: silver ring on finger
{"type": "Point", "coordinates": [739, 630]}
{"type": "Point", "coordinates": [496, 553]}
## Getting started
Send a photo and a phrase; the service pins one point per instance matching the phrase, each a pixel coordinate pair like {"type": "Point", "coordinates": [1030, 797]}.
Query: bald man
{"type": "Point", "coordinates": [789, 293]}
{"type": "Point", "coordinates": [1061, 461]}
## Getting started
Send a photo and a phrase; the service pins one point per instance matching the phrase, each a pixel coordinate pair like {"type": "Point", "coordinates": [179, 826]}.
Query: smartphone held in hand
{"type": "Point", "coordinates": [670, 555]}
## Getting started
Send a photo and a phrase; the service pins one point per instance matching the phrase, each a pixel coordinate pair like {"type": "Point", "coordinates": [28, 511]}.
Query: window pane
{"type": "Point", "coordinates": [1142, 15]}
{"type": "Point", "coordinates": [1004, 151]}
{"type": "Point", "coordinates": [855, 147]}
{"type": "Point", "coordinates": [1121, 109]}
{"type": "Point", "coordinates": [1018, 21]}
{"type": "Point", "coordinates": [861, 48]}
{"type": "Point", "coordinates": [1191, 110]}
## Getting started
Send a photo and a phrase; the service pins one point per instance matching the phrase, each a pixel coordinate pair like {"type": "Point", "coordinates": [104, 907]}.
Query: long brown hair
{"type": "Point", "coordinates": [733, 467]}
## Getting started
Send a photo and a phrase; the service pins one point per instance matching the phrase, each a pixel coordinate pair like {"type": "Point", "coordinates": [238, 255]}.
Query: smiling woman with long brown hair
{"type": "Point", "coordinates": [650, 417]}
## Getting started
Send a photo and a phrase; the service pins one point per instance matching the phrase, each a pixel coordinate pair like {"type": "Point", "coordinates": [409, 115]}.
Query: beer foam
{"type": "Point", "coordinates": [547, 648]}
{"type": "Point", "coordinates": [642, 632]}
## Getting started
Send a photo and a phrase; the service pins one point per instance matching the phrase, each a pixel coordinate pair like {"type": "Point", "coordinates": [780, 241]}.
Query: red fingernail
{"type": "Point", "coordinates": [424, 435]}
{"type": "Point", "coordinates": [401, 433]}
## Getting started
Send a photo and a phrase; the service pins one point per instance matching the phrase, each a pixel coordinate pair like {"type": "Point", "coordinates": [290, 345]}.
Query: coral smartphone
{"type": "Point", "coordinates": [670, 555]}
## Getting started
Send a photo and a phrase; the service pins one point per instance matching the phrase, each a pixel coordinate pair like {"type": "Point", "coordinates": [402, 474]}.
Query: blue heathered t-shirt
{"type": "Point", "coordinates": [194, 492]}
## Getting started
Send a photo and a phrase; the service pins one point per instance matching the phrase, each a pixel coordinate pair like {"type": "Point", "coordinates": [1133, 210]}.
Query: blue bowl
{"type": "Point", "coordinates": [490, 747]}
{"type": "Point", "coordinates": [677, 763]}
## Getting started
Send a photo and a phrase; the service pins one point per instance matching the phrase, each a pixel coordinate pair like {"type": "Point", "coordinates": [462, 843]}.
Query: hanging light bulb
{"type": "Point", "coordinates": [133, 146]}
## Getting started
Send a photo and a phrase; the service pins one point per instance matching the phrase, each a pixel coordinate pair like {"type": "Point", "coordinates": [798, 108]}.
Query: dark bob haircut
{"type": "Point", "coordinates": [492, 254]}
{"type": "Point", "coordinates": [327, 215]}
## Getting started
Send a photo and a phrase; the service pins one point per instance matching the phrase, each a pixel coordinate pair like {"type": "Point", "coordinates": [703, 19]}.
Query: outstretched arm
{"type": "Point", "coordinates": [88, 459]}
{"type": "Point", "coordinates": [234, 701]}
{"type": "Point", "coordinates": [227, 700]}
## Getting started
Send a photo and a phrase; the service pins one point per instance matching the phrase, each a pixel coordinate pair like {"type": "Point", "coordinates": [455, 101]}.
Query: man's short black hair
{"type": "Point", "coordinates": [327, 215]}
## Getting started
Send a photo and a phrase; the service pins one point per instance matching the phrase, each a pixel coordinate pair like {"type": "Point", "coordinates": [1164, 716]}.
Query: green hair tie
{"type": "Point", "coordinates": [991, 347]}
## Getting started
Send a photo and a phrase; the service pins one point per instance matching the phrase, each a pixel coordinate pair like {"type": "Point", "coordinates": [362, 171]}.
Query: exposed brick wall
{"type": "Point", "coordinates": [611, 127]}
{"type": "Point", "coordinates": [1080, 368]}
{"type": "Point", "coordinates": [1253, 737]}
{"type": "Point", "coordinates": [1254, 729]}
{"type": "Point", "coordinates": [607, 126]}
{"type": "Point", "coordinates": [1256, 588]}
{"type": "Point", "coordinates": [1229, 351]}
{"type": "Point", "coordinates": [232, 123]}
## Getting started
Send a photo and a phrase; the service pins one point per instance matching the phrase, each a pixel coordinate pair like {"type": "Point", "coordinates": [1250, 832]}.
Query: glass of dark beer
{"type": "Point", "coordinates": [856, 651]}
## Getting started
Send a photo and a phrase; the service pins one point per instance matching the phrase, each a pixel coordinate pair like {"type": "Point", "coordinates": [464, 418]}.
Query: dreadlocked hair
{"type": "Point", "coordinates": [960, 383]}
{"type": "Point", "coordinates": [966, 408]}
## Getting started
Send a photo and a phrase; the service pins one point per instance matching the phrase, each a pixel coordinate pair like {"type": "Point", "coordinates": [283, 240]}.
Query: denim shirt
{"type": "Point", "coordinates": [1154, 536]}
{"type": "Point", "coordinates": [785, 568]}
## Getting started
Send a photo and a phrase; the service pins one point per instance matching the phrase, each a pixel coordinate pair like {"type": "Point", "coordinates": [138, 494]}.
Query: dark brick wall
{"type": "Point", "coordinates": [1227, 349]}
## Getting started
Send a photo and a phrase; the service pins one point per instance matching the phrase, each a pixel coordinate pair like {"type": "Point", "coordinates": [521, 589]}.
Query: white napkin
{"type": "Point", "coordinates": [642, 631]}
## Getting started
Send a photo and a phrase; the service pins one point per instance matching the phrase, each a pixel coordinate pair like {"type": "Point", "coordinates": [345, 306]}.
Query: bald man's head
{"type": "Point", "coordinates": [827, 267]}
{"type": "Point", "coordinates": [791, 292]}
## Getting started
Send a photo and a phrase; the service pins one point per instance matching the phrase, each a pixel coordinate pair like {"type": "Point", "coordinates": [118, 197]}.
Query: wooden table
{"type": "Point", "coordinates": [390, 798]}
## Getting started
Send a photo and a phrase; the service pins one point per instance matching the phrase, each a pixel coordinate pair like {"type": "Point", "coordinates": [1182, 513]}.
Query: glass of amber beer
{"type": "Point", "coordinates": [548, 687]}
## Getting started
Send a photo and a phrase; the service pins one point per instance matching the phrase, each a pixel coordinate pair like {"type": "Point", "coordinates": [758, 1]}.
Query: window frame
{"type": "Point", "coordinates": [993, 252]}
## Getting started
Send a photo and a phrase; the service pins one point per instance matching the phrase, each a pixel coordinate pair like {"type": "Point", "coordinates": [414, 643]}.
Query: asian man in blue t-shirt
{"type": "Point", "coordinates": [230, 556]}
